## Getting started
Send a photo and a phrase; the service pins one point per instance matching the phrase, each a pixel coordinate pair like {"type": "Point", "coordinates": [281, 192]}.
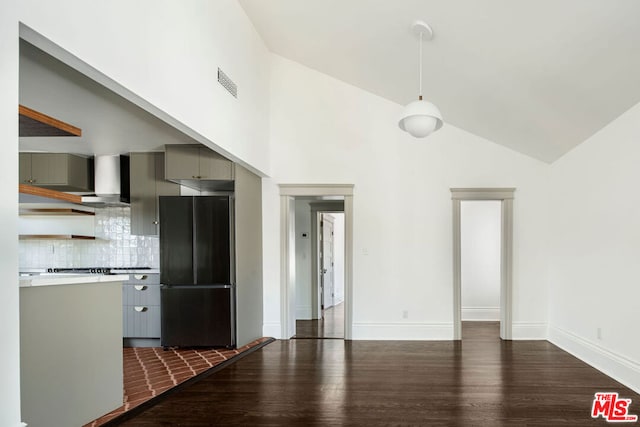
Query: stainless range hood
{"type": "Point", "coordinates": [111, 182]}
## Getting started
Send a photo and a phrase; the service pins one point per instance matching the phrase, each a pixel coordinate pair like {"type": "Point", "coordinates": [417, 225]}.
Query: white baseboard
{"type": "Point", "coordinates": [272, 329]}
{"type": "Point", "coordinates": [618, 367]}
{"type": "Point", "coordinates": [529, 331]}
{"type": "Point", "coordinates": [402, 331]}
{"type": "Point", "coordinates": [480, 313]}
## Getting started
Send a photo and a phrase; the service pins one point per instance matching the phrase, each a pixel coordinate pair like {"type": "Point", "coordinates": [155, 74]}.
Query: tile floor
{"type": "Point", "coordinates": [150, 371]}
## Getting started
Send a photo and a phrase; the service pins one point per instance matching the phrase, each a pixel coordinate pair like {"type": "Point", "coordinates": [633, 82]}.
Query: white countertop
{"type": "Point", "coordinates": [70, 279]}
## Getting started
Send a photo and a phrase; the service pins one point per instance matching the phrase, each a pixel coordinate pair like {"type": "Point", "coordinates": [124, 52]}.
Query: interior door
{"type": "Point", "coordinates": [326, 262]}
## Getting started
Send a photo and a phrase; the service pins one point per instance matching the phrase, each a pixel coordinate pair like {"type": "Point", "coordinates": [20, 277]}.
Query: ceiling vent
{"type": "Point", "coordinates": [227, 83]}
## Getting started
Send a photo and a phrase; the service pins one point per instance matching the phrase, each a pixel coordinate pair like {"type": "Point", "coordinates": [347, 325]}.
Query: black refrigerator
{"type": "Point", "coordinates": [197, 295]}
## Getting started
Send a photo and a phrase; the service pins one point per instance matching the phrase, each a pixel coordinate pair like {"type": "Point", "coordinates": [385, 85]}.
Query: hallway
{"type": "Point", "coordinates": [332, 326]}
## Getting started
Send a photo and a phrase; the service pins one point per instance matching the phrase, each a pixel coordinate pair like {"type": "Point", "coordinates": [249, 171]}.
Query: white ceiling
{"type": "Point", "coordinates": [536, 76]}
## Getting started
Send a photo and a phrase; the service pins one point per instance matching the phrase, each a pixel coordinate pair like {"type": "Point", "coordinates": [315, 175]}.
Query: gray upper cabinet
{"type": "Point", "coordinates": [147, 183]}
{"type": "Point", "coordinates": [59, 171]}
{"type": "Point", "coordinates": [197, 166]}
{"type": "Point", "coordinates": [214, 166]}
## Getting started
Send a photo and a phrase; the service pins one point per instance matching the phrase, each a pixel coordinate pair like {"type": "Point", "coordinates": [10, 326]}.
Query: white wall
{"type": "Point", "coordinates": [303, 260]}
{"type": "Point", "coordinates": [480, 223]}
{"type": "Point", "coordinates": [594, 252]}
{"type": "Point", "coordinates": [325, 131]}
{"type": "Point", "coordinates": [9, 329]}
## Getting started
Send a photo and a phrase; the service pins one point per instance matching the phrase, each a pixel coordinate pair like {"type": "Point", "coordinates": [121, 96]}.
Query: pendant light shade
{"type": "Point", "coordinates": [421, 118]}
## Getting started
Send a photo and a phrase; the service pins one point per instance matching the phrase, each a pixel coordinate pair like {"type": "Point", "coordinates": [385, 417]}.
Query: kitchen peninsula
{"type": "Point", "coordinates": [71, 348]}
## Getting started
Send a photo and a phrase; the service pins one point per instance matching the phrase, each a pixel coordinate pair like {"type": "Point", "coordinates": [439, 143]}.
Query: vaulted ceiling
{"type": "Point", "coordinates": [538, 77]}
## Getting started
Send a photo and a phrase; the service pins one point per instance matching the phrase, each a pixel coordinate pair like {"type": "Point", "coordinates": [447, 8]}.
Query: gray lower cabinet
{"type": "Point", "coordinates": [141, 310]}
{"type": "Point", "coordinates": [58, 171]}
{"type": "Point", "coordinates": [147, 183]}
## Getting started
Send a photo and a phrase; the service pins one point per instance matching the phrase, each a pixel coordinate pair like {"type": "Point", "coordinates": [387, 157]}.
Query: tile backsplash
{"type": "Point", "coordinates": [114, 246]}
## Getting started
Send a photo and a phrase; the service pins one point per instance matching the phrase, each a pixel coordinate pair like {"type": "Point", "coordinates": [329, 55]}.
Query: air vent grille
{"type": "Point", "coordinates": [227, 83]}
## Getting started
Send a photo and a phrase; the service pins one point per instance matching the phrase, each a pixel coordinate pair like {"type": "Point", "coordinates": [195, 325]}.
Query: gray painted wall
{"type": "Point", "coordinates": [70, 353]}
{"type": "Point", "coordinates": [248, 219]}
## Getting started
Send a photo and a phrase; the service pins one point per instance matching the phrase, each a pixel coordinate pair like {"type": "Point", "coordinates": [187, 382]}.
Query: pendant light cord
{"type": "Point", "coordinates": [420, 66]}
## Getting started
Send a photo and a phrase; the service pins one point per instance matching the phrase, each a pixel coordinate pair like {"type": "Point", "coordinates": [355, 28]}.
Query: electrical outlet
{"type": "Point", "coordinates": [599, 333]}
{"type": "Point", "coordinates": [405, 314]}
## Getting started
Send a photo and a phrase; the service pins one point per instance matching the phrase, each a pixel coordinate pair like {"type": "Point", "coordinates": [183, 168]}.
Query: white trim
{"type": "Point", "coordinates": [403, 331]}
{"type": "Point", "coordinates": [505, 195]}
{"type": "Point", "coordinates": [316, 190]}
{"type": "Point", "coordinates": [529, 331]}
{"type": "Point", "coordinates": [471, 314]}
{"type": "Point", "coordinates": [271, 329]}
{"type": "Point", "coordinates": [617, 366]}
{"type": "Point", "coordinates": [287, 267]}
{"type": "Point", "coordinates": [287, 278]}
{"type": "Point", "coordinates": [482, 193]}
{"type": "Point", "coordinates": [506, 270]}
{"type": "Point", "coordinates": [348, 267]}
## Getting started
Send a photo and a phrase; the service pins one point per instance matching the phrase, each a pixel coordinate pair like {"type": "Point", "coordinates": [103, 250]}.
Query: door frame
{"type": "Point", "coordinates": [287, 250]}
{"type": "Point", "coordinates": [505, 196]}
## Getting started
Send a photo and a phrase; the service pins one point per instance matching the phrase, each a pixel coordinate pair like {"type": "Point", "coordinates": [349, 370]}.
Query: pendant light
{"type": "Point", "coordinates": [420, 118]}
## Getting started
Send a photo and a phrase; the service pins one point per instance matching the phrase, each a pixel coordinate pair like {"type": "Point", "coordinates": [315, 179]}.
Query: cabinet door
{"type": "Point", "coordinates": [25, 168]}
{"type": "Point", "coordinates": [49, 168]}
{"type": "Point", "coordinates": [214, 166]}
{"type": "Point", "coordinates": [141, 321]}
{"type": "Point", "coordinates": [143, 193]}
{"type": "Point", "coordinates": [182, 162]}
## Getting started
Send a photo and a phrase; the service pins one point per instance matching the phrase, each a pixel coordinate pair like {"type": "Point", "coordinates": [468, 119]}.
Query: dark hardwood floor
{"type": "Point", "coordinates": [332, 326]}
{"type": "Point", "coordinates": [480, 381]}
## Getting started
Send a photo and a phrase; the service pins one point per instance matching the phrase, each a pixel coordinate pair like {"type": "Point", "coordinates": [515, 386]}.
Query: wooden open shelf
{"type": "Point", "coordinates": [54, 211]}
{"type": "Point", "coordinates": [50, 194]}
{"type": "Point", "coordinates": [55, 237]}
{"type": "Point", "coordinates": [35, 123]}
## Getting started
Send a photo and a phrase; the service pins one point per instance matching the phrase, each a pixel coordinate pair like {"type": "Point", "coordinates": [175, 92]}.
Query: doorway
{"type": "Point", "coordinates": [323, 195]}
{"type": "Point", "coordinates": [480, 267]}
{"type": "Point", "coordinates": [505, 197]}
{"type": "Point", "coordinates": [319, 280]}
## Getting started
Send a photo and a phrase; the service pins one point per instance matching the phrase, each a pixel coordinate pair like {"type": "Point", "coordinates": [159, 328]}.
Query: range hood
{"type": "Point", "coordinates": [111, 182]}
